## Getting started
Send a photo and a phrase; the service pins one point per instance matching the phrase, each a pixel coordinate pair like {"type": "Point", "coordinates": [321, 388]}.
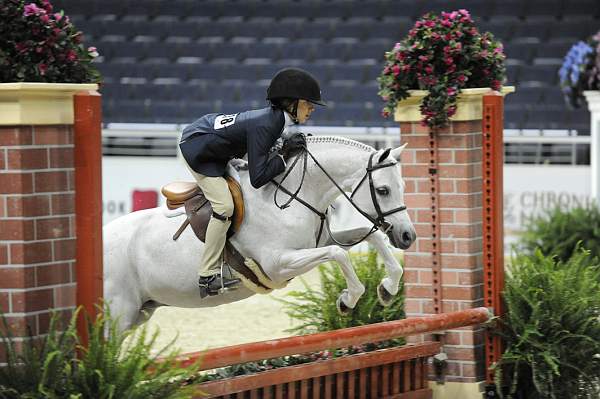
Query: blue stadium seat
{"type": "Point", "coordinates": [546, 74]}
{"type": "Point", "coordinates": [368, 50]}
{"type": "Point", "coordinates": [579, 119]}
{"type": "Point", "coordinates": [165, 111]}
{"type": "Point", "coordinates": [537, 29]}
{"type": "Point", "coordinates": [203, 50]}
{"type": "Point", "coordinates": [129, 111]}
{"type": "Point", "coordinates": [502, 30]}
{"type": "Point", "coordinates": [317, 30]}
{"type": "Point", "coordinates": [578, 30]}
{"type": "Point", "coordinates": [510, 8]}
{"type": "Point", "coordinates": [192, 110]}
{"type": "Point", "coordinates": [300, 51]}
{"type": "Point", "coordinates": [582, 7]}
{"type": "Point", "coordinates": [514, 118]}
{"type": "Point", "coordinates": [207, 72]}
{"type": "Point", "coordinates": [543, 7]}
{"type": "Point", "coordinates": [522, 51]}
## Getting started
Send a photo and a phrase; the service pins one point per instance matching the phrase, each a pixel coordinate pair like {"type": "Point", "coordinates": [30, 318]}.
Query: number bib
{"type": "Point", "coordinates": [222, 121]}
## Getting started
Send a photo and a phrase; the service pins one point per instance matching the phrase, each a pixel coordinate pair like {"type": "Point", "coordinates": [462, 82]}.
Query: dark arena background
{"type": "Point", "coordinates": [172, 61]}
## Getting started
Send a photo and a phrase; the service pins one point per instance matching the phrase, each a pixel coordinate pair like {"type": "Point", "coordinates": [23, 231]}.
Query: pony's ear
{"type": "Point", "coordinates": [397, 151]}
{"type": "Point", "coordinates": [384, 155]}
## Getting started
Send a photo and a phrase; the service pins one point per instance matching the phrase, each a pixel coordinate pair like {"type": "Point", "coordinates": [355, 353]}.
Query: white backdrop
{"type": "Point", "coordinates": [528, 189]}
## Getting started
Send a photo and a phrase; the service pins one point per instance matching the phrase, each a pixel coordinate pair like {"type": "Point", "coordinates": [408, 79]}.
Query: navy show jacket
{"type": "Point", "coordinates": [211, 141]}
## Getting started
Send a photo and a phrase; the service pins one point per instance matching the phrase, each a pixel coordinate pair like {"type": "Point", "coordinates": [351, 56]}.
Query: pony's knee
{"type": "Point", "coordinates": [338, 254]}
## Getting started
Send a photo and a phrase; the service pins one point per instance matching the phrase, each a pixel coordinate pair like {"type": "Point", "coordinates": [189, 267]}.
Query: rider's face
{"type": "Point", "coordinates": [305, 108]}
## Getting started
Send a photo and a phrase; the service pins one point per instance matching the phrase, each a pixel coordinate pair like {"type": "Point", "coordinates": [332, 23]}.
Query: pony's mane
{"type": "Point", "coordinates": [339, 140]}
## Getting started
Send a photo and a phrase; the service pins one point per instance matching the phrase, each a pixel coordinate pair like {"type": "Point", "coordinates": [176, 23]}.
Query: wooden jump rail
{"type": "Point", "coordinates": [399, 373]}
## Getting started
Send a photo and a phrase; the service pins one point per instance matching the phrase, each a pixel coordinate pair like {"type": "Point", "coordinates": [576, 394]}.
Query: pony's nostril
{"type": "Point", "coordinates": [406, 237]}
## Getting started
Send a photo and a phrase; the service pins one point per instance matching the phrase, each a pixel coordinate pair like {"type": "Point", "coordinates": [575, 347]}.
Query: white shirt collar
{"type": "Point", "coordinates": [288, 120]}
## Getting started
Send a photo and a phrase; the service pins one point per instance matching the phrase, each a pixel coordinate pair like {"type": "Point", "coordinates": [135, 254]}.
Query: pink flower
{"type": "Point", "coordinates": [385, 113]}
{"type": "Point", "coordinates": [453, 15]}
{"type": "Point", "coordinates": [485, 53]}
{"type": "Point", "coordinates": [498, 50]}
{"type": "Point", "coordinates": [57, 31]}
{"type": "Point", "coordinates": [451, 68]}
{"type": "Point", "coordinates": [446, 23]}
{"type": "Point", "coordinates": [451, 91]}
{"type": "Point", "coordinates": [496, 84]}
{"type": "Point", "coordinates": [451, 111]}
{"type": "Point", "coordinates": [47, 6]}
{"type": "Point", "coordinates": [32, 9]}
{"type": "Point", "coordinates": [42, 68]}
{"type": "Point", "coordinates": [44, 18]}
{"type": "Point", "coordinates": [436, 36]}
{"type": "Point", "coordinates": [39, 49]}
{"type": "Point", "coordinates": [21, 47]}
{"type": "Point", "coordinates": [423, 58]}
{"type": "Point", "coordinates": [462, 78]}
{"type": "Point", "coordinates": [385, 98]}
{"type": "Point", "coordinates": [386, 70]}
{"type": "Point", "coordinates": [397, 46]}
{"type": "Point", "coordinates": [429, 24]}
{"type": "Point", "coordinates": [405, 68]}
{"type": "Point", "coordinates": [418, 24]}
{"type": "Point", "coordinates": [448, 36]}
{"type": "Point", "coordinates": [412, 33]}
{"type": "Point", "coordinates": [71, 55]}
{"type": "Point", "coordinates": [396, 70]}
{"type": "Point", "coordinates": [464, 12]}
{"type": "Point", "coordinates": [449, 60]}
{"type": "Point", "coordinates": [429, 69]}
{"type": "Point", "coordinates": [58, 16]}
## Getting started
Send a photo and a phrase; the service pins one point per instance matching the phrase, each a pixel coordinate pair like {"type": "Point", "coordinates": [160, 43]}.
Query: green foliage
{"type": "Point", "coordinates": [558, 231]}
{"type": "Point", "coordinates": [551, 328]}
{"type": "Point", "coordinates": [316, 309]}
{"type": "Point", "coordinates": [112, 366]}
{"type": "Point", "coordinates": [38, 44]}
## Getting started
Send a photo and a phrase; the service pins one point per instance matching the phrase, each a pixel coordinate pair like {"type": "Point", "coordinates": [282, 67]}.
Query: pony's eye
{"type": "Point", "coordinates": [383, 190]}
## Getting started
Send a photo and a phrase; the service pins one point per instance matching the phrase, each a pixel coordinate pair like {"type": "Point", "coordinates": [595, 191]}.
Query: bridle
{"type": "Point", "coordinates": [378, 222]}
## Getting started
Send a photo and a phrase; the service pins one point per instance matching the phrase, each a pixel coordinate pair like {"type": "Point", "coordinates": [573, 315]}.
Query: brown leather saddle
{"type": "Point", "coordinates": [199, 211]}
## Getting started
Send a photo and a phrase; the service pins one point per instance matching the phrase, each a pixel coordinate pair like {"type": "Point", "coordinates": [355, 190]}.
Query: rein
{"type": "Point", "coordinates": [377, 222]}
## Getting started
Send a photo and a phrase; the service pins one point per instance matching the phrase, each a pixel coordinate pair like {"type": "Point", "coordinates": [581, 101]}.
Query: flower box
{"type": "Point", "coordinates": [469, 104]}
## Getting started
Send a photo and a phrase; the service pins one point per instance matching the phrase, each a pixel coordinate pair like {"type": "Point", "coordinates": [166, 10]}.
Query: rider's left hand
{"type": "Point", "coordinates": [293, 145]}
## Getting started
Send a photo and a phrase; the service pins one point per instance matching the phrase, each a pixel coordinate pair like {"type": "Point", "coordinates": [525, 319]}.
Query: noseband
{"type": "Point", "coordinates": [378, 222]}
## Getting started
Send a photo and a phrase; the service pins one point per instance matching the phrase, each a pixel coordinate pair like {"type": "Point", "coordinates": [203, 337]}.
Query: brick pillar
{"type": "Point", "coordinates": [37, 219]}
{"type": "Point", "coordinates": [448, 218]}
{"type": "Point", "coordinates": [37, 204]}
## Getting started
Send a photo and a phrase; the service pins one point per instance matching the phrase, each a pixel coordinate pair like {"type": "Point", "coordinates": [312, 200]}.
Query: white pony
{"type": "Point", "coordinates": [144, 268]}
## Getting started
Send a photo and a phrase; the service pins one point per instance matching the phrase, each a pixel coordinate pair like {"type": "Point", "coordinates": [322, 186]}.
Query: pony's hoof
{"type": "Point", "coordinates": [341, 306]}
{"type": "Point", "coordinates": [384, 296]}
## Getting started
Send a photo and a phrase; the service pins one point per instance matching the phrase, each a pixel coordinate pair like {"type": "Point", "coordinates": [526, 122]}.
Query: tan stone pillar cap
{"type": "Point", "coordinates": [24, 103]}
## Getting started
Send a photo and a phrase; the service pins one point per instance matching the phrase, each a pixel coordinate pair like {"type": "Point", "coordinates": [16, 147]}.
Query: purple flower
{"type": "Point", "coordinates": [32, 9]}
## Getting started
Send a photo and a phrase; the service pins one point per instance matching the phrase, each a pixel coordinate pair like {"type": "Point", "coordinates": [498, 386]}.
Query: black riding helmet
{"type": "Point", "coordinates": [295, 83]}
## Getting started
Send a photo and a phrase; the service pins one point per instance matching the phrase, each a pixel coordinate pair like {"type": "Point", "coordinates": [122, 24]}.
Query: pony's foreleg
{"type": "Point", "coordinates": [388, 288]}
{"type": "Point", "coordinates": [296, 262]}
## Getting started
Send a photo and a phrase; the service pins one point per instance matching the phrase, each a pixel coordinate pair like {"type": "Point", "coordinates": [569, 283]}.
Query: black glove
{"type": "Point", "coordinates": [293, 146]}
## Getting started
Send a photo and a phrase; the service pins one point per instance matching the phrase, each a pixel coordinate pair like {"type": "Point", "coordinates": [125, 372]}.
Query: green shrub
{"type": "Point", "coordinates": [316, 309]}
{"type": "Point", "coordinates": [551, 328]}
{"type": "Point", "coordinates": [558, 231]}
{"type": "Point", "coordinates": [58, 366]}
